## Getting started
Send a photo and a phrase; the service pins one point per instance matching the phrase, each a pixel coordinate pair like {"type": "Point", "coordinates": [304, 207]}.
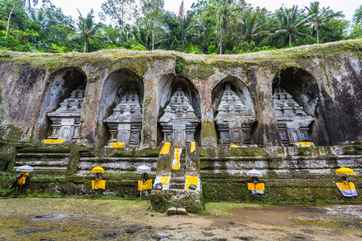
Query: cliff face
{"type": "Point", "coordinates": [326, 80]}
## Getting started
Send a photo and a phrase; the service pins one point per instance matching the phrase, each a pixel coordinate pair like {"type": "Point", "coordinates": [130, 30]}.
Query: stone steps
{"type": "Point", "coordinates": [178, 179]}
{"type": "Point", "coordinates": [115, 165]}
{"type": "Point", "coordinates": [177, 186]}
{"type": "Point", "coordinates": [44, 163]}
{"type": "Point", "coordinates": [177, 182]}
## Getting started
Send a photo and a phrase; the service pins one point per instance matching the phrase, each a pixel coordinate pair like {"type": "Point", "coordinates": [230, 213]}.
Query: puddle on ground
{"type": "Point", "coordinates": [50, 217]}
{"type": "Point", "coordinates": [345, 210]}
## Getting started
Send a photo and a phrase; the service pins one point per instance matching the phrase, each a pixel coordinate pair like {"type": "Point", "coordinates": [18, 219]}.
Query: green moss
{"type": "Point", "coordinates": [226, 208]}
{"type": "Point", "coordinates": [41, 148]}
{"type": "Point", "coordinates": [180, 65]}
{"type": "Point", "coordinates": [194, 66]}
{"type": "Point", "coordinates": [7, 156]}
{"type": "Point", "coordinates": [137, 61]}
{"type": "Point", "coordinates": [248, 151]}
{"type": "Point", "coordinates": [353, 149]}
{"type": "Point", "coordinates": [148, 152]}
{"type": "Point", "coordinates": [305, 151]}
{"type": "Point", "coordinates": [10, 134]}
{"type": "Point", "coordinates": [293, 191]}
{"type": "Point", "coordinates": [208, 152]}
{"type": "Point", "coordinates": [208, 130]}
{"type": "Point", "coordinates": [198, 70]}
{"type": "Point", "coordinates": [74, 159]}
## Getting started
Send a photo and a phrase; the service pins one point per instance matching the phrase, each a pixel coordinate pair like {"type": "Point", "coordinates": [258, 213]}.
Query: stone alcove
{"type": "Point", "coordinates": [61, 108]}
{"type": "Point", "coordinates": [234, 113]}
{"type": "Point", "coordinates": [179, 115]}
{"type": "Point", "coordinates": [295, 105]}
{"type": "Point", "coordinates": [120, 110]}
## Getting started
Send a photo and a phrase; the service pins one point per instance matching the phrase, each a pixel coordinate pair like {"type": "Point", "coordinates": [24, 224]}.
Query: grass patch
{"type": "Point", "coordinates": [103, 207]}
{"type": "Point", "coordinates": [226, 208]}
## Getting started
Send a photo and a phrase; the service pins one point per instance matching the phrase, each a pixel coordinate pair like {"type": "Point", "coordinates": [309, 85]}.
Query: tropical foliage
{"type": "Point", "coordinates": [210, 26]}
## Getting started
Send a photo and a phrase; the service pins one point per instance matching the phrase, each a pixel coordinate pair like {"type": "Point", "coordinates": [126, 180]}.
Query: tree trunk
{"type": "Point", "coordinates": [85, 45]}
{"type": "Point", "coordinates": [290, 40]}
{"type": "Point", "coordinates": [153, 39]}
{"type": "Point", "coordinates": [221, 42]}
{"type": "Point", "coordinates": [9, 21]}
{"type": "Point", "coordinates": [183, 42]}
{"type": "Point", "coordinates": [317, 30]}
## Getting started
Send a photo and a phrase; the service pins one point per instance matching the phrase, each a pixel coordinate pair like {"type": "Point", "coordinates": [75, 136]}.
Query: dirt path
{"type": "Point", "coordinates": [86, 219]}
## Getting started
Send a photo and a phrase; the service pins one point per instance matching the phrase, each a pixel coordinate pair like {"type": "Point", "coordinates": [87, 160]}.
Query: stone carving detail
{"type": "Point", "coordinates": [234, 119]}
{"type": "Point", "coordinates": [293, 122]}
{"type": "Point", "coordinates": [125, 123]}
{"type": "Point", "coordinates": [179, 120]}
{"type": "Point", "coordinates": [65, 121]}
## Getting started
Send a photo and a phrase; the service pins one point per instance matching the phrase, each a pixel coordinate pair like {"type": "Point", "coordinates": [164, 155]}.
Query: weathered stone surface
{"type": "Point", "coordinates": [190, 201]}
{"type": "Point", "coordinates": [324, 89]}
{"type": "Point", "coordinates": [333, 72]}
{"type": "Point", "coordinates": [293, 123]}
{"type": "Point", "coordinates": [234, 118]}
{"type": "Point", "coordinates": [172, 211]}
{"type": "Point", "coordinates": [179, 120]}
{"type": "Point", "coordinates": [65, 121]}
{"type": "Point", "coordinates": [125, 123]}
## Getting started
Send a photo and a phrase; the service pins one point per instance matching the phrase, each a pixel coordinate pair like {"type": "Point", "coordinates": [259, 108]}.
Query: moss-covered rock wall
{"type": "Point", "coordinates": [335, 67]}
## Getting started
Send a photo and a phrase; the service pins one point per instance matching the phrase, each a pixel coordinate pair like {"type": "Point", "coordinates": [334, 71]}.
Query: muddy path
{"type": "Point", "coordinates": [86, 219]}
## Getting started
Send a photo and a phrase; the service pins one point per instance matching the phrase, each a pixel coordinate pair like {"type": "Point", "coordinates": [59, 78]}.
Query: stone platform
{"type": "Point", "coordinates": [305, 176]}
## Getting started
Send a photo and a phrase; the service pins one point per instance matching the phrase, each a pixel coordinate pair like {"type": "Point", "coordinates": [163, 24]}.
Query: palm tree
{"type": "Point", "coordinates": [26, 4]}
{"type": "Point", "coordinates": [153, 12]}
{"type": "Point", "coordinates": [319, 16]}
{"type": "Point", "coordinates": [87, 28]}
{"type": "Point", "coordinates": [357, 17]}
{"type": "Point", "coordinates": [224, 12]}
{"type": "Point", "coordinates": [290, 23]}
{"type": "Point", "coordinates": [253, 24]}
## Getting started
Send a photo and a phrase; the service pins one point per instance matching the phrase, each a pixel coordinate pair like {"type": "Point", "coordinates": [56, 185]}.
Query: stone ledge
{"type": "Point", "coordinates": [161, 201]}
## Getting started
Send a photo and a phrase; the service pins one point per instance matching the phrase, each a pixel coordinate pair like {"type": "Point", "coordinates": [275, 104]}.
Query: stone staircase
{"type": "Point", "coordinates": [52, 160]}
{"type": "Point", "coordinates": [176, 200]}
{"type": "Point", "coordinates": [44, 163]}
{"type": "Point", "coordinates": [116, 165]}
{"type": "Point", "coordinates": [177, 182]}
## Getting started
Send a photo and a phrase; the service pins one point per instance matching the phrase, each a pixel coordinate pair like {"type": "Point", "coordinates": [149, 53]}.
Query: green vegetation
{"type": "Point", "coordinates": [226, 208]}
{"type": "Point", "coordinates": [210, 26]}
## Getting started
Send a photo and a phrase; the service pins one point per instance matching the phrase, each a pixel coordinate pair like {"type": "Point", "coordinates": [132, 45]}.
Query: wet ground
{"type": "Point", "coordinates": [86, 219]}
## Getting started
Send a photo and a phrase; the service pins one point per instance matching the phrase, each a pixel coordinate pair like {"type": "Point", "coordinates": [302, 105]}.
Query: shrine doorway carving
{"type": "Point", "coordinates": [234, 113]}
{"type": "Point", "coordinates": [295, 105]}
{"type": "Point", "coordinates": [120, 110]}
{"type": "Point", "coordinates": [179, 115]}
{"type": "Point", "coordinates": [62, 104]}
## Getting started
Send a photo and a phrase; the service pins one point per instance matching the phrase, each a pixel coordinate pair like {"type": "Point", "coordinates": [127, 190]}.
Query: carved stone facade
{"type": "Point", "coordinates": [294, 123]}
{"type": "Point", "coordinates": [65, 121]}
{"type": "Point", "coordinates": [234, 119]}
{"type": "Point", "coordinates": [125, 123]}
{"type": "Point", "coordinates": [179, 121]}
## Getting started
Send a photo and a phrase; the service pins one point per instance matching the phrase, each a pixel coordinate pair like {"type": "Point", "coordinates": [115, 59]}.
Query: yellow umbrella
{"type": "Point", "coordinates": [97, 170]}
{"type": "Point", "coordinates": [193, 147]}
{"type": "Point", "coordinates": [234, 146]}
{"type": "Point", "coordinates": [344, 171]}
{"type": "Point", "coordinates": [304, 144]}
{"type": "Point", "coordinates": [165, 150]}
{"type": "Point", "coordinates": [118, 145]}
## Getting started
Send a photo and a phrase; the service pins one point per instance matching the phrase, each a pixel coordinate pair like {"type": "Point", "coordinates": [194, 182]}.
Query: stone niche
{"type": "Point", "coordinates": [65, 121]}
{"type": "Point", "coordinates": [294, 124]}
{"type": "Point", "coordinates": [62, 105]}
{"type": "Point", "coordinates": [295, 101]}
{"type": "Point", "coordinates": [121, 108]}
{"type": "Point", "coordinates": [125, 124]}
{"type": "Point", "coordinates": [233, 112]}
{"type": "Point", "coordinates": [179, 119]}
